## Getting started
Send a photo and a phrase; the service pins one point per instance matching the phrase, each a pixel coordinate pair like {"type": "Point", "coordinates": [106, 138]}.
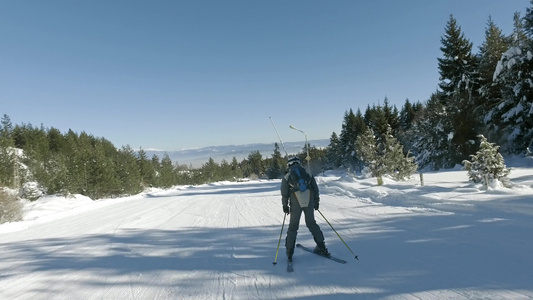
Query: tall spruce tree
{"type": "Point", "coordinates": [334, 152]}
{"type": "Point", "coordinates": [490, 52]}
{"type": "Point", "coordinates": [275, 170]}
{"type": "Point", "coordinates": [514, 74]}
{"type": "Point", "coordinates": [352, 126]}
{"type": "Point", "coordinates": [459, 82]}
{"type": "Point", "coordinates": [519, 36]}
{"type": "Point", "coordinates": [366, 146]}
{"type": "Point", "coordinates": [166, 172]}
{"type": "Point", "coordinates": [432, 142]}
{"type": "Point", "coordinates": [407, 118]}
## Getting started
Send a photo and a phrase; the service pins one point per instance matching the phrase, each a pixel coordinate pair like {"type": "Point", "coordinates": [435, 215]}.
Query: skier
{"type": "Point", "coordinates": [298, 187]}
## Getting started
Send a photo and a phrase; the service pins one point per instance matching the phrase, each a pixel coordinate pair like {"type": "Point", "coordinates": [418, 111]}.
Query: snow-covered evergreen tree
{"type": "Point", "coordinates": [459, 84]}
{"type": "Point", "coordinates": [352, 126]}
{"type": "Point", "coordinates": [384, 156]}
{"type": "Point", "coordinates": [395, 163]}
{"type": "Point", "coordinates": [519, 36]}
{"type": "Point", "coordinates": [514, 73]}
{"type": "Point", "coordinates": [490, 52]}
{"type": "Point", "coordinates": [366, 147]}
{"type": "Point", "coordinates": [333, 152]}
{"type": "Point", "coordinates": [434, 133]}
{"type": "Point", "coordinates": [487, 163]}
{"type": "Point", "coordinates": [409, 115]}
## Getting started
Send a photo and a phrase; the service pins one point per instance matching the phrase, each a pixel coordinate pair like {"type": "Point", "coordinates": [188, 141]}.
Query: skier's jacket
{"type": "Point", "coordinates": [298, 182]}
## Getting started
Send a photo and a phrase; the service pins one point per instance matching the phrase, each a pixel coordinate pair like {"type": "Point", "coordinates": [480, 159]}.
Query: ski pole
{"type": "Point", "coordinates": [277, 250]}
{"type": "Point", "coordinates": [337, 234]}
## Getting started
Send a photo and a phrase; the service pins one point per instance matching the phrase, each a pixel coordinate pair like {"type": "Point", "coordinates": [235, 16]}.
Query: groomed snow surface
{"type": "Point", "coordinates": [448, 239]}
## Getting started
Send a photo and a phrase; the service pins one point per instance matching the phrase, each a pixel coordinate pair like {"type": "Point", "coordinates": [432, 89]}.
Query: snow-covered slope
{"type": "Point", "coordinates": [446, 239]}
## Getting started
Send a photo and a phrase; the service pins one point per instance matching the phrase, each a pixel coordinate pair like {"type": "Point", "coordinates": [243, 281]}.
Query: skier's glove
{"type": "Point", "coordinates": [316, 205]}
{"type": "Point", "coordinates": [286, 209]}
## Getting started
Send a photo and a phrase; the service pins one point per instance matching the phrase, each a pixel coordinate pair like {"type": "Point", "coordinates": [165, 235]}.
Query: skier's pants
{"type": "Point", "coordinates": [294, 223]}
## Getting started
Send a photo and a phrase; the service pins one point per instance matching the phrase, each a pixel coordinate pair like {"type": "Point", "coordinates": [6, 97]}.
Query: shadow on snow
{"type": "Point", "coordinates": [400, 255]}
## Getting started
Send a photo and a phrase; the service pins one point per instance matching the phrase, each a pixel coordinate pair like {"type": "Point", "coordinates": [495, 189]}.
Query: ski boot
{"type": "Point", "coordinates": [321, 249]}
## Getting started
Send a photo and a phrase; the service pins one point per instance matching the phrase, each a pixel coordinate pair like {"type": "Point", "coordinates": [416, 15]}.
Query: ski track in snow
{"type": "Point", "coordinates": [218, 241]}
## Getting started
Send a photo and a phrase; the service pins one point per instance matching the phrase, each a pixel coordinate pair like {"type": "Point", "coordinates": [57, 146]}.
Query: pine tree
{"type": "Point", "coordinates": [75, 164]}
{"type": "Point", "coordinates": [7, 154]}
{"type": "Point", "coordinates": [457, 66]}
{"type": "Point", "coordinates": [408, 116]}
{"type": "Point", "coordinates": [382, 118]}
{"type": "Point", "coordinates": [148, 175]}
{"type": "Point", "coordinates": [366, 146]}
{"type": "Point", "coordinates": [487, 163]}
{"type": "Point", "coordinates": [166, 172]}
{"type": "Point", "coordinates": [514, 74]}
{"type": "Point", "coordinates": [353, 125]}
{"type": "Point", "coordinates": [392, 116]}
{"type": "Point", "coordinates": [210, 171]}
{"type": "Point", "coordinates": [432, 143]}
{"type": "Point", "coordinates": [101, 176]}
{"type": "Point", "coordinates": [519, 36]}
{"type": "Point", "coordinates": [333, 152]}
{"type": "Point", "coordinates": [127, 171]}
{"type": "Point", "coordinates": [225, 170]}
{"type": "Point", "coordinates": [491, 50]}
{"type": "Point", "coordinates": [255, 160]}
{"type": "Point", "coordinates": [459, 84]}
{"type": "Point", "coordinates": [398, 165]}
{"type": "Point", "coordinates": [275, 169]}
{"type": "Point", "coordinates": [376, 119]}
{"type": "Point", "coordinates": [318, 159]}
{"type": "Point", "coordinates": [236, 171]}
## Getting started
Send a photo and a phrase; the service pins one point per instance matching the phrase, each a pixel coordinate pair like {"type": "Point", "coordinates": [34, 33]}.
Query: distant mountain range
{"type": "Point", "coordinates": [198, 157]}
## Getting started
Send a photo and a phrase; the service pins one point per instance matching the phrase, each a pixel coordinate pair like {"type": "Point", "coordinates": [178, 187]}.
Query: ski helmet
{"type": "Point", "coordinates": [294, 160]}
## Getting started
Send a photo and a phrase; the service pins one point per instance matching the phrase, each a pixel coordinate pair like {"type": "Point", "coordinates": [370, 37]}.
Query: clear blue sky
{"type": "Point", "coordinates": [184, 74]}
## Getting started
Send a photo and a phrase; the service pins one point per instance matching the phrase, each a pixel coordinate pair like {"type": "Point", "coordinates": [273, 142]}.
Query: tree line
{"type": "Point", "coordinates": [487, 93]}
{"type": "Point", "coordinates": [73, 163]}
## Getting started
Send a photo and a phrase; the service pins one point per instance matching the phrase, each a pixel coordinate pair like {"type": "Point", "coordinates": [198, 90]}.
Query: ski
{"type": "Point", "coordinates": [342, 261]}
{"type": "Point", "coordinates": [289, 266]}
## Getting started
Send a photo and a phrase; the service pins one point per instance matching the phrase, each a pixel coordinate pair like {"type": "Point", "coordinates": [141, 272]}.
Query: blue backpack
{"type": "Point", "coordinates": [298, 178]}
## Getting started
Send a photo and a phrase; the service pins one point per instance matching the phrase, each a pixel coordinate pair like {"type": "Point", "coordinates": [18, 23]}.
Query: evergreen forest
{"type": "Point", "coordinates": [482, 92]}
